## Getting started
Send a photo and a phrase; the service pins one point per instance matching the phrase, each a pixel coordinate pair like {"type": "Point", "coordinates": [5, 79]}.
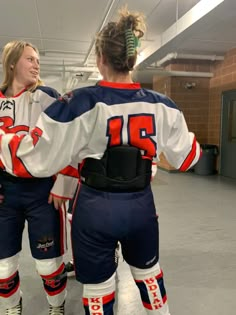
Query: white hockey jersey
{"type": "Point", "coordinates": [19, 115]}
{"type": "Point", "coordinates": [84, 122]}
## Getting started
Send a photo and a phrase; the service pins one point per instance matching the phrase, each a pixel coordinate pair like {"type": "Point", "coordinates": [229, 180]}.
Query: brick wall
{"type": "Point", "coordinates": [224, 80]}
{"type": "Point", "coordinates": [193, 102]}
{"type": "Point", "coordinates": [147, 86]}
{"type": "Point", "coordinates": [201, 105]}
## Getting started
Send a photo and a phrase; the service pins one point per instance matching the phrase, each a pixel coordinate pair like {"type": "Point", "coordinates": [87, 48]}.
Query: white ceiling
{"type": "Point", "coordinates": [64, 32]}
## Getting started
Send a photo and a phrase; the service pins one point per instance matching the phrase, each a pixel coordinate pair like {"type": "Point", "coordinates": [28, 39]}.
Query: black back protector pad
{"type": "Point", "coordinates": [121, 169]}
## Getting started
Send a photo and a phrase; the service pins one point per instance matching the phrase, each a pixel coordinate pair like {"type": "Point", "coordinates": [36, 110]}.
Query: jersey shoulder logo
{"type": "Point", "coordinates": [8, 106]}
{"type": "Point", "coordinates": [7, 118]}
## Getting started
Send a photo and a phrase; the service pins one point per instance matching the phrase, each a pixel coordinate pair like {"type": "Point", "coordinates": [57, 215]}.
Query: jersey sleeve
{"type": "Point", "coordinates": [66, 183]}
{"type": "Point", "coordinates": [55, 143]}
{"type": "Point", "coordinates": [182, 149]}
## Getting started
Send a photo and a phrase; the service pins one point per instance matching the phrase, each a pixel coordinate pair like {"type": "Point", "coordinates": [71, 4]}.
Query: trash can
{"type": "Point", "coordinates": [207, 163]}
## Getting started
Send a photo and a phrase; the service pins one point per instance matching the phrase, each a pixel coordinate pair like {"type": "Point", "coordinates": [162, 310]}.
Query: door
{"type": "Point", "coordinates": [228, 135]}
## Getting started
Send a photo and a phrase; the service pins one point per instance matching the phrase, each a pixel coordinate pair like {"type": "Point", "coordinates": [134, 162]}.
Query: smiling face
{"type": "Point", "coordinates": [26, 70]}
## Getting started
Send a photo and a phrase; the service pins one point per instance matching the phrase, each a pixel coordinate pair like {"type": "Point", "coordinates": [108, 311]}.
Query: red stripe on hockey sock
{"type": "Point", "coordinates": [164, 299]}
{"type": "Point", "coordinates": [56, 273]}
{"type": "Point", "coordinates": [10, 285]}
{"type": "Point", "coordinates": [8, 279]}
{"type": "Point", "coordinates": [105, 299]}
{"type": "Point", "coordinates": [148, 306]}
{"type": "Point", "coordinates": [156, 307]}
{"type": "Point", "coordinates": [11, 292]}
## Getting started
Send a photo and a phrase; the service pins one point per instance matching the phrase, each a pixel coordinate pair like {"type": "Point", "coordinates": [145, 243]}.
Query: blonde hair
{"type": "Point", "coordinates": [118, 41]}
{"type": "Point", "coordinates": [11, 53]}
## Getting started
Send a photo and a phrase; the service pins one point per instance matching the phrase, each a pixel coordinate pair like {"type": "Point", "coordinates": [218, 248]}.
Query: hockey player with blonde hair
{"type": "Point", "coordinates": [38, 200]}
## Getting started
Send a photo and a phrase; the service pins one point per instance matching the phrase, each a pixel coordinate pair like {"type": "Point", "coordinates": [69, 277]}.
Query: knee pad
{"type": "Point", "coordinates": [9, 276]}
{"type": "Point", "coordinates": [48, 266]}
{"type": "Point", "coordinates": [9, 266]}
{"type": "Point", "coordinates": [152, 290]}
{"type": "Point", "coordinates": [99, 298]}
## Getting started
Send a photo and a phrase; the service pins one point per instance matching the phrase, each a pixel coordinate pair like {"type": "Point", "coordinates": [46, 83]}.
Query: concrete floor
{"type": "Point", "coordinates": [197, 252]}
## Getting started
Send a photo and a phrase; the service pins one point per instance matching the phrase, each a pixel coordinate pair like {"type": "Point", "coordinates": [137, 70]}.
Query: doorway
{"type": "Point", "coordinates": [228, 135]}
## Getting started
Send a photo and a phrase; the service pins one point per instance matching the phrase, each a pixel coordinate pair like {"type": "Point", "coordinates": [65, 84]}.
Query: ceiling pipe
{"type": "Point", "coordinates": [90, 50]}
{"type": "Point", "coordinates": [162, 72]}
{"type": "Point", "coordinates": [65, 68]}
{"type": "Point", "coordinates": [175, 55]}
{"type": "Point", "coordinates": [187, 74]}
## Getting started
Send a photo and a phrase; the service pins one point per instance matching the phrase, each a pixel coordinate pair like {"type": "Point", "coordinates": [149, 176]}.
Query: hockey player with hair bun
{"type": "Point", "coordinates": [114, 130]}
{"type": "Point", "coordinates": [40, 201]}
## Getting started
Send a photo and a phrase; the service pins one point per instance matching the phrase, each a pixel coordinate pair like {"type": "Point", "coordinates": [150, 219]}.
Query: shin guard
{"type": "Point", "coordinates": [152, 290]}
{"type": "Point", "coordinates": [9, 281]}
{"type": "Point", "coordinates": [53, 274]}
{"type": "Point", "coordinates": [98, 299]}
